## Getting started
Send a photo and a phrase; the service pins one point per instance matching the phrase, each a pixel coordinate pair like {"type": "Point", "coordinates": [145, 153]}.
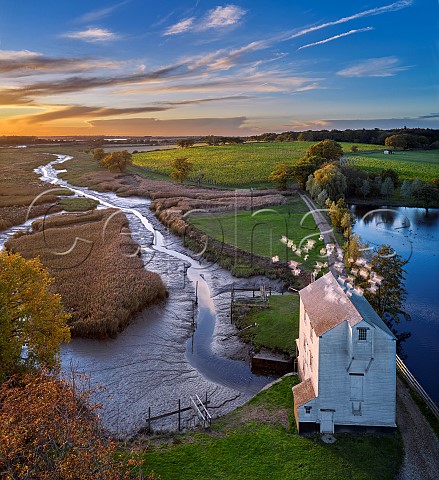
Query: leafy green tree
{"type": "Point", "coordinates": [427, 194]}
{"type": "Point", "coordinates": [393, 174]}
{"type": "Point", "coordinates": [330, 178]}
{"type": "Point", "coordinates": [416, 185]}
{"type": "Point", "coordinates": [117, 161]}
{"type": "Point", "coordinates": [365, 188]}
{"type": "Point", "coordinates": [387, 187]}
{"type": "Point", "coordinates": [186, 142]}
{"type": "Point", "coordinates": [180, 169]}
{"type": "Point", "coordinates": [406, 189]}
{"type": "Point", "coordinates": [377, 183]}
{"type": "Point", "coordinates": [281, 175]}
{"type": "Point", "coordinates": [339, 214]}
{"type": "Point", "coordinates": [322, 197]}
{"type": "Point", "coordinates": [305, 167]}
{"type": "Point", "coordinates": [33, 323]}
{"type": "Point", "coordinates": [99, 154]}
{"type": "Point", "coordinates": [328, 149]}
{"type": "Point", "coordinates": [353, 250]}
{"type": "Point", "coordinates": [390, 297]}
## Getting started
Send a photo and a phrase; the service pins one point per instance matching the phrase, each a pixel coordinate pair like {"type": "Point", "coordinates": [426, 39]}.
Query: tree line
{"type": "Point", "coordinates": [410, 137]}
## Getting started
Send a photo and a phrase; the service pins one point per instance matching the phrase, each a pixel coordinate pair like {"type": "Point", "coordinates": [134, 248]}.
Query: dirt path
{"type": "Point", "coordinates": [421, 446]}
{"type": "Point", "coordinates": [324, 227]}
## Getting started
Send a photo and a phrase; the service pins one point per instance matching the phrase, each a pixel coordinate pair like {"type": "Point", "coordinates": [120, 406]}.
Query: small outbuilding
{"type": "Point", "coordinates": [346, 362]}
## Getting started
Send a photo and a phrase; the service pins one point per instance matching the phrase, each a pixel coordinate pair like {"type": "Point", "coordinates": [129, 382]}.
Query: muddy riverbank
{"type": "Point", "coordinates": [157, 360]}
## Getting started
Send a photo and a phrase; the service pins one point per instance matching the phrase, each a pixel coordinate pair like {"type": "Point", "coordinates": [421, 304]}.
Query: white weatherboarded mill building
{"type": "Point", "coordinates": [346, 362]}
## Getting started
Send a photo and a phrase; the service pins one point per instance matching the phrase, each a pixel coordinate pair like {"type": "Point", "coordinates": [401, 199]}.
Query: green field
{"type": "Point", "coordinates": [409, 165]}
{"type": "Point", "coordinates": [258, 441]}
{"type": "Point", "coordinates": [277, 326]}
{"type": "Point", "coordinates": [233, 165]}
{"type": "Point", "coordinates": [260, 232]}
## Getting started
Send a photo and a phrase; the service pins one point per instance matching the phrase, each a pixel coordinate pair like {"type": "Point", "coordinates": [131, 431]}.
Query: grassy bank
{"type": "Point", "coordinates": [101, 279]}
{"type": "Point", "coordinates": [259, 441]}
{"type": "Point", "coordinates": [277, 326]}
{"type": "Point", "coordinates": [240, 166]}
{"type": "Point", "coordinates": [78, 204]}
{"type": "Point", "coordinates": [260, 232]}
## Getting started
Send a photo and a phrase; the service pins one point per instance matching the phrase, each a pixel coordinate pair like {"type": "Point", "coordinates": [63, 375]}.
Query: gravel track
{"type": "Point", "coordinates": [421, 446]}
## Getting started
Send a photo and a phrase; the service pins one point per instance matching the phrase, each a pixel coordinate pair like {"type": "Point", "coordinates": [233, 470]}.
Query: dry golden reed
{"type": "Point", "coordinates": [97, 269]}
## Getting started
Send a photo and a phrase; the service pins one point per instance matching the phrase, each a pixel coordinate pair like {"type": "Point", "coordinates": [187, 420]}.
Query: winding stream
{"type": "Point", "coordinates": [159, 358]}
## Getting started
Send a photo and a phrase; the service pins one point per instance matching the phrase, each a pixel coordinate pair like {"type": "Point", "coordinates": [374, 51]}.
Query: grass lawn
{"type": "Point", "coordinates": [277, 326]}
{"type": "Point", "coordinates": [422, 164]}
{"type": "Point", "coordinates": [233, 165]}
{"type": "Point", "coordinates": [259, 441]}
{"type": "Point", "coordinates": [260, 232]}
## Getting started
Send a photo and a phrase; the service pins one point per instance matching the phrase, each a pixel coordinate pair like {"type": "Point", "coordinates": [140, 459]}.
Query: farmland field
{"type": "Point", "coordinates": [260, 232]}
{"type": "Point", "coordinates": [233, 165]}
{"type": "Point", "coordinates": [409, 165]}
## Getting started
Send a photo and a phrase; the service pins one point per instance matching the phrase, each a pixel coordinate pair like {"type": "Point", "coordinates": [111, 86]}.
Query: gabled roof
{"type": "Point", "coordinates": [369, 315]}
{"type": "Point", "coordinates": [328, 305]}
{"type": "Point", "coordinates": [303, 393]}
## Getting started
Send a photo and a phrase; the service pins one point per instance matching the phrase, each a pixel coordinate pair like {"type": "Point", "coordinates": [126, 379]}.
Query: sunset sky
{"type": "Point", "coordinates": [177, 67]}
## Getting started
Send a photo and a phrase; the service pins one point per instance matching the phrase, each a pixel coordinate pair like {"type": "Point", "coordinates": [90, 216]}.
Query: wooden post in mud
{"type": "Point", "coordinates": [179, 415]}
{"type": "Point", "coordinates": [196, 293]}
{"type": "Point", "coordinates": [232, 296]}
{"type": "Point", "coordinates": [149, 419]}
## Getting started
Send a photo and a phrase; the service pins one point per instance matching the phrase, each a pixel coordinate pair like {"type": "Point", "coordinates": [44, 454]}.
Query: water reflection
{"type": "Point", "coordinates": [414, 234]}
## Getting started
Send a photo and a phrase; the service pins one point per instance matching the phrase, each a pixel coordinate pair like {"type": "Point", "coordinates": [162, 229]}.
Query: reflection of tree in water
{"type": "Point", "coordinates": [422, 217]}
{"type": "Point", "coordinates": [386, 216]}
{"type": "Point", "coordinates": [396, 217]}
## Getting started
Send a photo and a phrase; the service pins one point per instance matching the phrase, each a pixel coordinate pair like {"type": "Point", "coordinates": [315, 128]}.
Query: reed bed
{"type": "Point", "coordinates": [20, 186]}
{"type": "Point", "coordinates": [97, 269]}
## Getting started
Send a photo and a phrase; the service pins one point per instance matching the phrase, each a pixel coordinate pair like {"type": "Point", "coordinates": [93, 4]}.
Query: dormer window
{"type": "Point", "coordinates": [362, 334]}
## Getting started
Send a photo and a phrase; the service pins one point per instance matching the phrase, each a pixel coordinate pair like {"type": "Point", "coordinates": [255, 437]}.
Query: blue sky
{"type": "Point", "coordinates": [205, 67]}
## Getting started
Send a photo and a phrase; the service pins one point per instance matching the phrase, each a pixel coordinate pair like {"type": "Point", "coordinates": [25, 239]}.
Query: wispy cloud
{"type": "Point", "coordinates": [336, 37]}
{"type": "Point", "coordinates": [82, 111]}
{"type": "Point", "coordinates": [222, 17]}
{"type": "Point", "coordinates": [366, 13]}
{"type": "Point", "coordinates": [219, 17]}
{"type": "Point", "coordinates": [95, 15]}
{"type": "Point", "coordinates": [196, 101]}
{"type": "Point", "coordinates": [180, 27]}
{"type": "Point", "coordinates": [63, 112]}
{"type": "Point", "coordinates": [307, 88]}
{"type": "Point", "coordinates": [224, 60]}
{"type": "Point", "coordinates": [24, 63]}
{"type": "Point", "coordinates": [26, 94]}
{"type": "Point", "coordinates": [374, 67]}
{"type": "Point", "coordinates": [430, 115]}
{"type": "Point", "coordinates": [93, 34]}
{"type": "Point", "coordinates": [178, 126]}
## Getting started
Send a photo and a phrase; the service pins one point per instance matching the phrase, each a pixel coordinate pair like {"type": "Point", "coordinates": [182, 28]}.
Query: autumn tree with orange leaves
{"type": "Point", "coordinates": [33, 323]}
{"type": "Point", "coordinates": [50, 431]}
